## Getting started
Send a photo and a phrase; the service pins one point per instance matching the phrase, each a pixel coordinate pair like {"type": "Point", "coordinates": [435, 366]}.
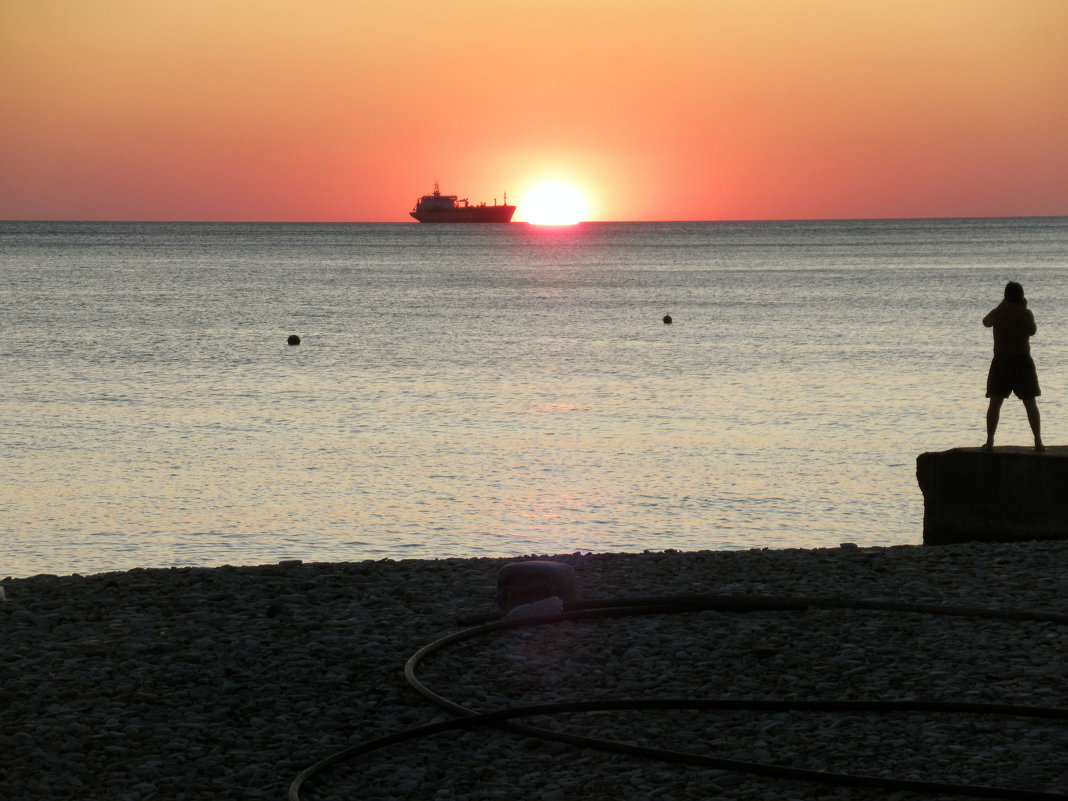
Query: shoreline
{"type": "Point", "coordinates": [226, 682]}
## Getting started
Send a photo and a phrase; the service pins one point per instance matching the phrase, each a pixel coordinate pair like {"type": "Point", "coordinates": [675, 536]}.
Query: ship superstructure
{"type": "Point", "coordinates": [437, 207]}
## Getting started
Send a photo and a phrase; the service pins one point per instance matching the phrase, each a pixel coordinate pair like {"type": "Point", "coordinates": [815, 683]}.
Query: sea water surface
{"type": "Point", "coordinates": [495, 390]}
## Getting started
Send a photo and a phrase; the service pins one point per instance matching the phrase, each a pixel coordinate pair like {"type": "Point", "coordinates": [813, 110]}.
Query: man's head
{"type": "Point", "coordinates": [1013, 292]}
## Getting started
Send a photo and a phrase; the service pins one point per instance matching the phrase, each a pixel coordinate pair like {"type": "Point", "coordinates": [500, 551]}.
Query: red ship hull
{"type": "Point", "coordinates": [469, 214]}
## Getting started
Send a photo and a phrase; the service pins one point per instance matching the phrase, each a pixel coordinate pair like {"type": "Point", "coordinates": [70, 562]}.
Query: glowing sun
{"type": "Point", "coordinates": [554, 204]}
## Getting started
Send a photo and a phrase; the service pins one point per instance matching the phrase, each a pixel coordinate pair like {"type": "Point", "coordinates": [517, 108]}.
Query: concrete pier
{"type": "Point", "coordinates": [1005, 495]}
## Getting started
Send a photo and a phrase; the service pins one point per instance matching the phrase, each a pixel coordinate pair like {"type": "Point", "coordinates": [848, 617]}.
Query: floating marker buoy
{"type": "Point", "coordinates": [293, 339]}
{"type": "Point", "coordinates": [667, 319]}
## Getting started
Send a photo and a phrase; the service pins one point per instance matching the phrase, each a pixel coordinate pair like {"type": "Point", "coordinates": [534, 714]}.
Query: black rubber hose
{"type": "Point", "coordinates": [585, 610]}
{"type": "Point", "coordinates": [503, 716]}
{"type": "Point", "coordinates": [596, 609]}
{"type": "Point", "coordinates": [756, 603]}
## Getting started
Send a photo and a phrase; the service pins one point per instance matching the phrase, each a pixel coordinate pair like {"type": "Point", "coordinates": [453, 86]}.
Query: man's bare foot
{"type": "Point", "coordinates": [987, 446]}
{"type": "Point", "coordinates": [1039, 447]}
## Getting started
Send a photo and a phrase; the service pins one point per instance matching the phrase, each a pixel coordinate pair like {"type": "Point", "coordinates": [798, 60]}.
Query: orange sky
{"type": "Point", "coordinates": [656, 109]}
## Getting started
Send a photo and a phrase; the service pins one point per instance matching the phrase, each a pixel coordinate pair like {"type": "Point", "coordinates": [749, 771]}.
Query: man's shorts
{"type": "Point", "coordinates": [1012, 372]}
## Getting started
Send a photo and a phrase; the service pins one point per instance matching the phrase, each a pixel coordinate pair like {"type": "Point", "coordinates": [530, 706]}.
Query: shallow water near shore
{"type": "Point", "coordinates": [495, 390]}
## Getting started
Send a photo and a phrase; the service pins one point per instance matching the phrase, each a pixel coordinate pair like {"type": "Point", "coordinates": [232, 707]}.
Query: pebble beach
{"type": "Point", "coordinates": [227, 682]}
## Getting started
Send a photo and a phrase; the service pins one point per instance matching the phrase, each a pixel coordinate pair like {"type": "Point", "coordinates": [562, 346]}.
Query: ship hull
{"type": "Point", "coordinates": [469, 214]}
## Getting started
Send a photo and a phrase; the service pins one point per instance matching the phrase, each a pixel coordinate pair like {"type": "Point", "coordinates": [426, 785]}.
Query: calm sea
{"type": "Point", "coordinates": [495, 390]}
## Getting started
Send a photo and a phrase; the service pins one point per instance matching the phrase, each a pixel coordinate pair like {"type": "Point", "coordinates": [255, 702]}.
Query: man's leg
{"type": "Point", "coordinates": [993, 414]}
{"type": "Point", "coordinates": [1031, 405]}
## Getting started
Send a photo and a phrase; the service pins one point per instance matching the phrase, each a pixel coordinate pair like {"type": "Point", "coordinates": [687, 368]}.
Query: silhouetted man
{"type": "Point", "coordinates": [1012, 369]}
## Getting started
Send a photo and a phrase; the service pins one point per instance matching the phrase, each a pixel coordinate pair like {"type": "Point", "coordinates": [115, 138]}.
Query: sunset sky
{"type": "Point", "coordinates": [347, 110]}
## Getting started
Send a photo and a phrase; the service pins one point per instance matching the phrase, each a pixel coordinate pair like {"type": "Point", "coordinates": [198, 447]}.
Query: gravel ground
{"type": "Point", "coordinates": [225, 683]}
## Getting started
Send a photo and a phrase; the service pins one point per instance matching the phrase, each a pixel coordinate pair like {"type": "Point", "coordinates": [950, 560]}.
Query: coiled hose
{"type": "Point", "coordinates": [504, 718]}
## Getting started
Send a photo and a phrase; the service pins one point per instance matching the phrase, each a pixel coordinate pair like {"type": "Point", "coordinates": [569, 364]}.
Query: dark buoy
{"type": "Point", "coordinates": [293, 339]}
{"type": "Point", "coordinates": [667, 319]}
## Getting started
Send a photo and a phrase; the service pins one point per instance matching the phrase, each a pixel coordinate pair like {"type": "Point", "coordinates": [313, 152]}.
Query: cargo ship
{"type": "Point", "coordinates": [449, 208]}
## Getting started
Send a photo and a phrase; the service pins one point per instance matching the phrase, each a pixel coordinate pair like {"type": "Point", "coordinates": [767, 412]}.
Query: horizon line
{"type": "Point", "coordinates": [534, 225]}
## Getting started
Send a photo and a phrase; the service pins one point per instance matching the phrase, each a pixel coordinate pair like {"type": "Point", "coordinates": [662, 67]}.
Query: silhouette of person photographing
{"type": "Point", "coordinates": [1012, 369]}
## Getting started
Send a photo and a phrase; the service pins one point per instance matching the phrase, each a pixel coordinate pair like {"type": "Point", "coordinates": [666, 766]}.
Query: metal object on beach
{"type": "Point", "coordinates": [534, 580]}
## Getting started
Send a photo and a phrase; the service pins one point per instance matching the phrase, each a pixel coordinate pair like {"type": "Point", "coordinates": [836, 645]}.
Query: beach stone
{"type": "Point", "coordinates": [534, 580]}
{"type": "Point", "coordinates": [1009, 494]}
{"type": "Point", "coordinates": [191, 690]}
